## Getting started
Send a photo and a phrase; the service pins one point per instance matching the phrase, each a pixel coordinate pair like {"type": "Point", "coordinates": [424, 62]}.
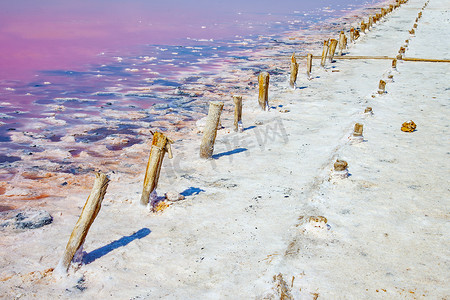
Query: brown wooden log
{"type": "Point", "coordinates": [342, 42]}
{"type": "Point", "coordinates": [263, 97]}
{"type": "Point", "coordinates": [87, 217]}
{"type": "Point", "coordinates": [160, 145]}
{"type": "Point", "coordinates": [426, 60]}
{"type": "Point", "coordinates": [210, 130]}
{"type": "Point", "coordinates": [381, 87]}
{"type": "Point", "coordinates": [238, 113]}
{"type": "Point", "coordinates": [309, 58]}
{"type": "Point", "coordinates": [332, 51]}
{"type": "Point", "coordinates": [324, 53]}
{"type": "Point", "coordinates": [294, 71]}
{"type": "Point", "coordinates": [358, 130]}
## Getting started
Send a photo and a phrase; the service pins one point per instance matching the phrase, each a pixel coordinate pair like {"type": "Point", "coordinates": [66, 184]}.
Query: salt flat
{"type": "Point", "coordinates": [247, 213]}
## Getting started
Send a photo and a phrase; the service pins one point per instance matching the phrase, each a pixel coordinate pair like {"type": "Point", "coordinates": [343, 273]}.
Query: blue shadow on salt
{"type": "Point", "coordinates": [192, 191]}
{"type": "Point", "coordinates": [235, 151]}
{"type": "Point", "coordinates": [122, 242]}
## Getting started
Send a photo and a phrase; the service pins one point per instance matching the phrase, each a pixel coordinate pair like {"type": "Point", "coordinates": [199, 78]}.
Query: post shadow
{"type": "Point", "coordinates": [192, 191]}
{"type": "Point", "coordinates": [231, 152]}
{"type": "Point", "coordinates": [122, 242]}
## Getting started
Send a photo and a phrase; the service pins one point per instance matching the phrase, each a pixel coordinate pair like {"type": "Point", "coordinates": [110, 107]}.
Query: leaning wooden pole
{"type": "Point", "coordinates": [210, 130]}
{"type": "Point", "coordinates": [294, 71]}
{"type": "Point", "coordinates": [263, 97]}
{"type": "Point", "coordinates": [324, 53]}
{"type": "Point", "coordinates": [238, 114]}
{"type": "Point", "coordinates": [87, 217]}
{"type": "Point", "coordinates": [160, 145]}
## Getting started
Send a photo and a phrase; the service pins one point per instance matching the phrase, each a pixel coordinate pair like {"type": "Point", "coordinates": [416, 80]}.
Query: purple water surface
{"type": "Point", "coordinates": [62, 60]}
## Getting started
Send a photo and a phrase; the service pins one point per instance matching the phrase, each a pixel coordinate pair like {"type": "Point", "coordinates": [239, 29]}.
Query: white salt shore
{"type": "Point", "coordinates": [266, 218]}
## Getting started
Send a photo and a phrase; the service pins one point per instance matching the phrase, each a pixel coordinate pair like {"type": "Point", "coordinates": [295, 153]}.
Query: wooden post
{"type": "Point", "coordinates": [324, 53]}
{"type": "Point", "coordinates": [309, 58]}
{"type": "Point", "coordinates": [412, 32]}
{"type": "Point", "coordinates": [381, 87]}
{"type": "Point", "coordinates": [402, 50]}
{"type": "Point", "coordinates": [238, 113]}
{"type": "Point", "coordinates": [87, 217]}
{"type": "Point", "coordinates": [160, 145]}
{"type": "Point", "coordinates": [356, 34]}
{"type": "Point", "coordinates": [358, 130]}
{"type": "Point", "coordinates": [342, 42]}
{"type": "Point", "coordinates": [399, 57]}
{"type": "Point", "coordinates": [210, 131]}
{"type": "Point", "coordinates": [333, 44]}
{"type": "Point", "coordinates": [415, 25]}
{"type": "Point", "coordinates": [394, 63]}
{"type": "Point", "coordinates": [352, 35]}
{"type": "Point", "coordinates": [363, 27]}
{"type": "Point", "coordinates": [294, 71]}
{"type": "Point", "coordinates": [368, 110]}
{"type": "Point", "coordinates": [263, 97]}
{"type": "Point", "coordinates": [370, 23]}
{"type": "Point", "coordinates": [340, 165]}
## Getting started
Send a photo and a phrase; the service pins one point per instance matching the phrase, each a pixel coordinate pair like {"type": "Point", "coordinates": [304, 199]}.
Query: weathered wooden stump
{"type": "Point", "coordinates": [238, 127]}
{"type": "Point", "coordinates": [324, 53]}
{"type": "Point", "coordinates": [309, 58]}
{"type": "Point", "coordinates": [263, 97]}
{"type": "Point", "coordinates": [394, 63]}
{"type": "Point", "coordinates": [342, 42]}
{"type": "Point", "coordinates": [210, 130]}
{"type": "Point", "coordinates": [368, 110]}
{"type": "Point", "coordinates": [88, 214]}
{"type": "Point", "coordinates": [358, 130]}
{"type": "Point", "coordinates": [382, 87]}
{"type": "Point", "coordinates": [294, 71]}
{"type": "Point", "coordinates": [160, 145]}
{"type": "Point", "coordinates": [352, 35]}
{"type": "Point", "coordinates": [332, 51]}
{"type": "Point", "coordinates": [363, 27]}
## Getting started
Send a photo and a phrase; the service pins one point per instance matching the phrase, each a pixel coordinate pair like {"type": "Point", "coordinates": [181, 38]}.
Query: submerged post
{"type": "Point", "coordinates": [333, 45]}
{"type": "Point", "coordinates": [160, 145]}
{"type": "Point", "coordinates": [324, 53]}
{"type": "Point", "coordinates": [263, 97]}
{"type": "Point", "coordinates": [87, 217]}
{"type": "Point", "coordinates": [309, 58]}
{"type": "Point", "coordinates": [294, 71]}
{"type": "Point", "coordinates": [210, 131]}
{"type": "Point", "coordinates": [238, 114]}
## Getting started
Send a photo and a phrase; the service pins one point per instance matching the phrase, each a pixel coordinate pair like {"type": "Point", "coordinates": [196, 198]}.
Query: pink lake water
{"type": "Point", "coordinates": [63, 62]}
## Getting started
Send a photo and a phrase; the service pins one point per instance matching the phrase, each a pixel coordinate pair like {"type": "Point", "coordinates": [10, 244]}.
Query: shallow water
{"type": "Point", "coordinates": [105, 69]}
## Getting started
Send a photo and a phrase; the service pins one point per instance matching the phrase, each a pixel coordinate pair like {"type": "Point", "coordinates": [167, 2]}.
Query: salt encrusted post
{"type": "Point", "coordinates": [324, 53]}
{"type": "Point", "coordinates": [381, 87]}
{"type": "Point", "coordinates": [263, 97]}
{"type": "Point", "coordinates": [370, 23]}
{"type": "Point", "coordinates": [342, 42]}
{"type": "Point", "coordinates": [160, 145]}
{"type": "Point", "coordinates": [394, 63]}
{"type": "Point", "coordinates": [210, 130]}
{"type": "Point", "coordinates": [309, 58]}
{"type": "Point", "coordinates": [363, 27]}
{"type": "Point", "coordinates": [294, 71]}
{"type": "Point", "coordinates": [358, 130]}
{"type": "Point", "coordinates": [352, 35]}
{"type": "Point", "coordinates": [333, 44]}
{"type": "Point", "coordinates": [356, 34]}
{"type": "Point", "coordinates": [238, 113]}
{"type": "Point", "coordinates": [87, 217]}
